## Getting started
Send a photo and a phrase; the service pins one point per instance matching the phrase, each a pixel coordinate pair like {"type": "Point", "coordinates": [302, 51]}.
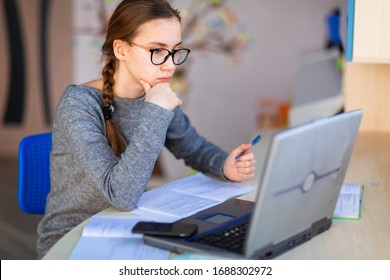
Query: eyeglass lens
{"type": "Point", "coordinates": [159, 56]}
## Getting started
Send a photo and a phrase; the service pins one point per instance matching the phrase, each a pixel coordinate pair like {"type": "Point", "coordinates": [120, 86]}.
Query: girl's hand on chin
{"type": "Point", "coordinates": [162, 95]}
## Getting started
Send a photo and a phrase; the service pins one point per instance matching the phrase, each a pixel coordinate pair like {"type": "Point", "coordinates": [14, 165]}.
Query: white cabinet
{"type": "Point", "coordinates": [368, 31]}
{"type": "Point", "coordinates": [367, 71]}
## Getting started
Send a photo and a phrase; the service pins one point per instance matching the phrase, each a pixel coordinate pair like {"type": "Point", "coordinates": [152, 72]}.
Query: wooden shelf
{"type": "Point", "coordinates": [367, 87]}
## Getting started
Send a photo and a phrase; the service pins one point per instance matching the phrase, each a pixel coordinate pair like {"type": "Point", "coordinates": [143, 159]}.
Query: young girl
{"type": "Point", "coordinates": [108, 133]}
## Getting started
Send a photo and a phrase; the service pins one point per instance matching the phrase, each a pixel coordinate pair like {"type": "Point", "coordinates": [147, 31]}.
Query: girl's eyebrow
{"type": "Point", "coordinates": [165, 45]}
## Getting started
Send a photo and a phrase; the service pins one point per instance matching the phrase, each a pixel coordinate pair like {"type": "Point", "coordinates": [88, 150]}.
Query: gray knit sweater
{"type": "Point", "coordinates": [87, 177]}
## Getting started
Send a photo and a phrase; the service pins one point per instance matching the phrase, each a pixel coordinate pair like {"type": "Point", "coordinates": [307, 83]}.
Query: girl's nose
{"type": "Point", "coordinates": [168, 65]}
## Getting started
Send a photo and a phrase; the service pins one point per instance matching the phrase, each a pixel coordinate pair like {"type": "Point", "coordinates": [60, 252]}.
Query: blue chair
{"type": "Point", "coordinates": [34, 172]}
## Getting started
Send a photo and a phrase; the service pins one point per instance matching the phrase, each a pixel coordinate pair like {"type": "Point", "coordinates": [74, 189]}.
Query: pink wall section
{"type": "Point", "coordinates": [59, 62]}
{"type": "Point", "coordinates": [281, 32]}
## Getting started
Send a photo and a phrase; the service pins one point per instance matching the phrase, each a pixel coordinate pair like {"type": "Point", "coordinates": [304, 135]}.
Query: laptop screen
{"type": "Point", "coordinates": [302, 178]}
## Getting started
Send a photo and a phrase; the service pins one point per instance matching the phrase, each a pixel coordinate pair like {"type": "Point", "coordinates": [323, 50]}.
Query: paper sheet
{"type": "Point", "coordinates": [110, 238]}
{"type": "Point", "coordinates": [188, 196]}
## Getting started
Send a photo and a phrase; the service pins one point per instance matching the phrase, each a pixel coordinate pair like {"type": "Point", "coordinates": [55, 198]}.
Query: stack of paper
{"type": "Point", "coordinates": [187, 196]}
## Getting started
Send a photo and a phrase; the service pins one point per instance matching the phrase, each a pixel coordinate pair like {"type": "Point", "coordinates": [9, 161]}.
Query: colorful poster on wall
{"type": "Point", "coordinates": [89, 23]}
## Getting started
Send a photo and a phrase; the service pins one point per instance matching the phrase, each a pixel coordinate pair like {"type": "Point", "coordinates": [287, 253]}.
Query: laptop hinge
{"type": "Point", "coordinates": [273, 250]}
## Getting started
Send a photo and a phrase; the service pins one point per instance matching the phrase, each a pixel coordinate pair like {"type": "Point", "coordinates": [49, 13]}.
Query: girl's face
{"type": "Point", "coordinates": [159, 33]}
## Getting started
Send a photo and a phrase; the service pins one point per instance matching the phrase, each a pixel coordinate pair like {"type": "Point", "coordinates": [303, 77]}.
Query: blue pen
{"type": "Point", "coordinates": [254, 142]}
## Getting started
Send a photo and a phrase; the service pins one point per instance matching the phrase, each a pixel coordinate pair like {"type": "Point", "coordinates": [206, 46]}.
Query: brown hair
{"type": "Point", "coordinates": [124, 24]}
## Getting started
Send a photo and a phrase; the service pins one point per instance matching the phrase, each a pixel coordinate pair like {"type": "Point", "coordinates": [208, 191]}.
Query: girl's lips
{"type": "Point", "coordinates": [164, 80]}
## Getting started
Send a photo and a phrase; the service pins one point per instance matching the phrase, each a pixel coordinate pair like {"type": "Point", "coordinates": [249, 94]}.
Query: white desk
{"type": "Point", "coordinates": [368, 238]}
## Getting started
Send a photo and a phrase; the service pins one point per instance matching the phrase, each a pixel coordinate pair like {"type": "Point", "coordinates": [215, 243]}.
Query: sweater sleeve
{"type": "Point", "coordinates": [79, 131]}
{"type": "Point", "coordinates": [185, 143]}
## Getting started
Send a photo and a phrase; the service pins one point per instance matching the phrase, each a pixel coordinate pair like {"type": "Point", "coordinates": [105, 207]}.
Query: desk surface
{"type": "Point", "coordinates": [368, 238]}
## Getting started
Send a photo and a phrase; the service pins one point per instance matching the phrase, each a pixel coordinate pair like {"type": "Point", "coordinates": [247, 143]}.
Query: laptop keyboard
{"type": "Point", "coordinates": [230, 238]}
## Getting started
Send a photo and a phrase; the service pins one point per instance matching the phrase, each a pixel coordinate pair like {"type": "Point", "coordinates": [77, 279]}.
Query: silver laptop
{"type": "Point", "coordinates": [297, 195]}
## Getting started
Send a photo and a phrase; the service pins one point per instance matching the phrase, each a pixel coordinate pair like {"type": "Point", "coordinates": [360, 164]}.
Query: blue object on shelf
{"type": "Point", "coordinates": [333, 28]}
{"type": "Point", "coordinates": [350, 30]}
{"type": "Point", "coordinates": [34, 172]}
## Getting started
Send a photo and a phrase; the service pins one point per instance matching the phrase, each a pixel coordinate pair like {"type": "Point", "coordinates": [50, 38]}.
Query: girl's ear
{"type": "Point", "coordinates": [119, 47]}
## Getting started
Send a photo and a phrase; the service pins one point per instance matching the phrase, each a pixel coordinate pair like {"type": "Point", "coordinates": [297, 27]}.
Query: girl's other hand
{"type": "Point", "coordinates": [240, 169]}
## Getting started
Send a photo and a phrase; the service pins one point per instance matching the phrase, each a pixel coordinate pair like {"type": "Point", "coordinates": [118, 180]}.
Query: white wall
{"type": "Point", "coordinates": [222, 98]}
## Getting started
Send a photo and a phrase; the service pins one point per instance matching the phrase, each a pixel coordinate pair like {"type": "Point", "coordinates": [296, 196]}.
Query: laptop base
{"type": "Point", "coordinates": [181, 245]}
{"type": "Point", "coordinates": [273, 251]}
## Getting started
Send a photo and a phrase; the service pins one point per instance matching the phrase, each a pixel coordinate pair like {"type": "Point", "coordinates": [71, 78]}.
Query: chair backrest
{"type": "Point", "coordinates": [34, 172]}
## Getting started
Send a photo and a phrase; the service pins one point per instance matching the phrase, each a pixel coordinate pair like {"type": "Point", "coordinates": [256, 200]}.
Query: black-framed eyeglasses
{"type": "Point", "coordinates": [159, 56]}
